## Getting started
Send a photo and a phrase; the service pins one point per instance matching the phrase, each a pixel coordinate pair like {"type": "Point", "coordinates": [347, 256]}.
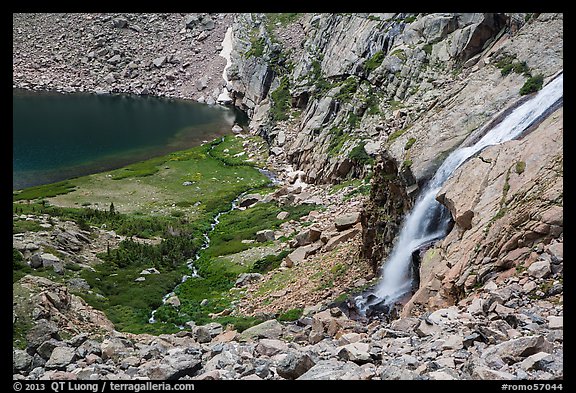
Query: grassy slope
{"type": "Point", "coordinates": [149, 197]}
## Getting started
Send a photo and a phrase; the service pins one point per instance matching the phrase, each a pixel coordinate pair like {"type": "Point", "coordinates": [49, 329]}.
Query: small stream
{"type": "Point", "coordinates": [190, 262]}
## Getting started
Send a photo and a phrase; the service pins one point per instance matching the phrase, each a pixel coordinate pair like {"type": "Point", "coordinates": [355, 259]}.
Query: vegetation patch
{"type": "Point", "coordinates": [21, 226]}
{"type": "Point", "coordinates": [291, 315]}
{"type": "Point", "coordinates": [347, 90]}
{"type": "Point", "coordinates": [358, 155]}
{"type": "Point", "coordinates": [406, 163]}
{"type": "Point", "coordinates": [532, 84]}
{"type": "Point", "coordinates": [176, 202]}
{"type": "Point", "coordinates": [427, 48]}
{"type": "Point", "coordinates": [282, 18]}
{"type": "Point", "coordinates": [19, 267]}
{"type": "Point", "coordinates": [399, 53]}
{"type": "Point", "coordinates": [397, 134]}
{"type": "Point", "coordinates": [410, 19]}
{"type": "Point", "coordinates": [374, 62]}
{"type": "Point", "coordinates": [217, 274]}
{"type": "Point", "coordinates": [268, 263]}
{"type": "Point", "coordinates": [508, 64]}
{"type": "Point", "coordinates": [338, 138]}
{"type": "Point", "coordinates": [409, 143]}
{"type": "Point", "coordinates": [44, 191]}
{"type": "Point", "coordinates": [280, 101]}
{"type": "Point", "coordinates": [520, 167]}
{"type": "Point", "coordinates": [257, 47]}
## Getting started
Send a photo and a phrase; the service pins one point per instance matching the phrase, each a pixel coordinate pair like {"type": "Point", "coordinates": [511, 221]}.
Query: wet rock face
{"type": "Point", "coordinates": [383, 213]}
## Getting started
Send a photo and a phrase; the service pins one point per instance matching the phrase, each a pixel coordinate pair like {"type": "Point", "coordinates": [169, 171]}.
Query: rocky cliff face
{"type": "Point", "coordinates": [374, 88]}
{"type": "Point", "coordinates": [393, 99]}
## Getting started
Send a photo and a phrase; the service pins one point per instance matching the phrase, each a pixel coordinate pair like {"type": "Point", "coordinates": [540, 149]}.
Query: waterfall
{"type": "Point", "coordinates": [429, 220]}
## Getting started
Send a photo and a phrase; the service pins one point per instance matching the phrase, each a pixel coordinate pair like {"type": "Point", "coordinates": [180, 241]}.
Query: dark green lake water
{"type": "Point", "coordinates": [61, 136]}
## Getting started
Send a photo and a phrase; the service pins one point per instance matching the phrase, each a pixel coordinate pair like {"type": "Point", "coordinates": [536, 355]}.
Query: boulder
{"type": "Point", "coordinates": [150, 271]}
{"type": "Point", "coordinates": [533, 361]}
{"type": "Point", "coordinates": [213, 375]}
{"type": "Point", "coordinates": [443, 375]}
{"type": "Point", "coordinates": [191, 21]}
{"type": "Point", "coordinates": [249, 199]}
{"type": "Point", "coordinates": [372, 148]}
{"type": "Point", "coordinates": [214, 328]}
{"type": "Point", "coordinates": [282, 215]}
{"type": "Point", "coordinates": [247, 278]}
{"type": "Point", "coordinates": [61, 357]}
{"type": "Point", "coordinates": [21, 360]}
{"type": "Point", "coordinates": [120, 22]}
{"type": "Point", "coordinates": [407, 324]}
{"type": "Point", "coordinates": [173, 366]}
{"type": "Point", "coordinates": [294, 365]}
{"type": "Point", "coordinates": [173, 301]}
{"type": "Point", "coordinates": [485, 373]}
{"type": "Point", "coordinates": [513, 350]}
{"type": "Point", "coordinates": [556, 250]}
{"type": "Point", "coordinates": [357, 352]}
{"type": "Point", "coordinates": [276, 151]}
{"type": "Point", "coordinates": [268, 329]}
{"type": "Point", "coordinates": [397, 370]}
{"type": "Point", "coordinates": [347, 221]}
{"type": "Point", "coordinates": [427, 329]}
{"type": "Point", "coordinates": [159, 61]}
{"type": "Point", "coordinates": [308, 236]}
{"type": "Point", "coordinates": [270, 347]}
{"type": "Point", "coordinates": [237, 129]}
{"type": "Point", "coordinates": [265, 235]}
{"type": "Point", "coordinates": [540, 269]}
{"type": "Point", "coordinates": [301, 253]}
{"type": "Point", "coordinates": [47, 260]}
{"type": "Point", "coordinates": [201, 83]}
{"type": "Point", "coordinates": [114, 348]}
{"type": "Point", "coordinates": [202, 334]}
{"type": "Point", "coordinates": [332, 369]}
{"type": "Point", "coordinates": [342, 237]}
{"type": "Point", "coordinates": [555, 322]}
{"type": "Point", "coordinates": [43, 331]}
{"type": "Point", "coordinates": [47, 347]}
{"type": "Point", "coordinates": [114, 59]}
{"type": "Point", "coordinates": [281, 138]}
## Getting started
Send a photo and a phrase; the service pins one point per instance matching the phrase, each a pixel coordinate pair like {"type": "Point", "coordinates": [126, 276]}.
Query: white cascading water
{"type": "Point", "coordinates": [429, 220]}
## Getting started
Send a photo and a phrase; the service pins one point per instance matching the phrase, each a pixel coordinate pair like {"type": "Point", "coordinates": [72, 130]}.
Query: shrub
{"type": "Point", "coordinates": [269, 262]}
{"type": "Point", "coordinates": [520, 167]}
{"type": "Point", "coordinates": [291, 315]}
{"type": "Point", "coordinates": [374, 62]}
{"type": "Point", "coordinates": [427, 48]}
{"type": "Point", "coordinates": [358, 154]}
{"type": "Point", "coordinates": [532, 84]}
{"type": "Point", "coordinates": [257, 46]}
{"type": "Point", "coordinates": [409, 143]}
{"type": "Point", "coordinates": [280, 101]}
{"type": "Point", "coordinates": [347, 90]}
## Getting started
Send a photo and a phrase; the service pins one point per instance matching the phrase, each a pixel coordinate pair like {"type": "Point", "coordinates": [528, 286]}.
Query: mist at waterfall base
{"type": "Point", "coordinates": [429, 220]}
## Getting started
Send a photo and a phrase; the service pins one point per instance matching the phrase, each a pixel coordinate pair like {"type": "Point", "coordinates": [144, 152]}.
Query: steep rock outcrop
{"type": "Point", "coordinates": [366, 87]}
{"type": "Point", "coordinates": [382, 215]}
{"type": "Point", "coordinates": [463, 109]}
{"type": "Point", "coordinates": [504, 202]}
